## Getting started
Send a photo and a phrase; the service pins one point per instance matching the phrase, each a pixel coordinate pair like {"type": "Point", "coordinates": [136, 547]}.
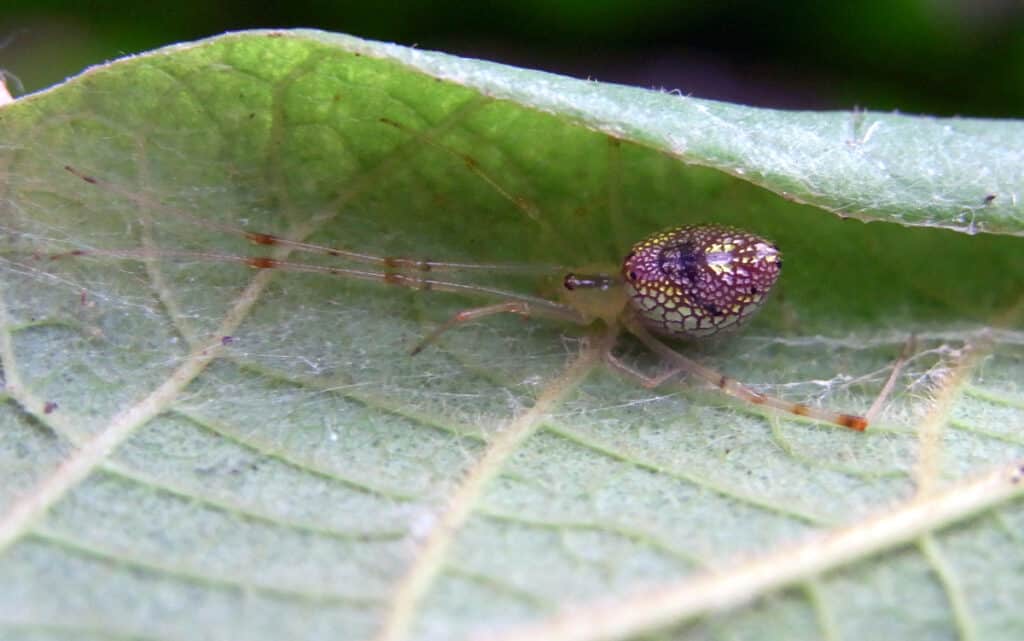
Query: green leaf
{"type": "Point", "coordinates": [190, 448]}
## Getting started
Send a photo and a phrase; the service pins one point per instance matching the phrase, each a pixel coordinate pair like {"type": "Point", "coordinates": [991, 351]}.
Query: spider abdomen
{"type": "Point", "coordinates": [697, 280]}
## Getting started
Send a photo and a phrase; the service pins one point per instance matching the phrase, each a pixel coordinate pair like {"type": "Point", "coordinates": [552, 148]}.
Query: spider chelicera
{"type": "Point", "coordinates": [689, 282]}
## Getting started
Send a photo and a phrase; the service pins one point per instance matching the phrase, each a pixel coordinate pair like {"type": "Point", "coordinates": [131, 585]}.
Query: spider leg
{"type": "Point", "coordinates": [649, 382]}
{"type": "Point", "coordinates": [738, 390]}
{"type": "Point", "coordinates": [389, 263]}
{"type": "Point", "coordinates": [897, 368]}
{"type": "Point", "coordinates": [524, 307]}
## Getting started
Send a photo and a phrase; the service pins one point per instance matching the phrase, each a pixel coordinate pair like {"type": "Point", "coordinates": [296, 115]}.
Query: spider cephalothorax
{"type": "Point", "coordinates": [697, 280]}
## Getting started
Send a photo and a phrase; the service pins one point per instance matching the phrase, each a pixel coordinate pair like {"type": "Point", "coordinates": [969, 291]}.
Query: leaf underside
{"type": "Point", "coordinates": [195, 449]}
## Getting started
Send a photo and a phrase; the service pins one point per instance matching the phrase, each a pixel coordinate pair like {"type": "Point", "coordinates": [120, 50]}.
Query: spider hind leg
{"type": "Point", "coordinates": [738, 390]}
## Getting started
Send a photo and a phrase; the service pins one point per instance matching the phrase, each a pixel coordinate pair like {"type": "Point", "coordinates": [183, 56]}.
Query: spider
{"type": "Point", "coordinates": [686, 283]}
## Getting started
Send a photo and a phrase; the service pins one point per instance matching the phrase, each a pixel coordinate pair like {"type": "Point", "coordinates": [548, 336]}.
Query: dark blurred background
{"type": "Point", "coordinates": [944, 57]}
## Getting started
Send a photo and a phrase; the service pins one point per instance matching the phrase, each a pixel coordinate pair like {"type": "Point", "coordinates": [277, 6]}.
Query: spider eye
{"type": "Point", "coordinates": [631, 275]}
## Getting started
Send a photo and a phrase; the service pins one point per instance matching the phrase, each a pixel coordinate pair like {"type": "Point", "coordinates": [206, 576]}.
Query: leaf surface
{"type": "Point", "coordinates": [191, 448]}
